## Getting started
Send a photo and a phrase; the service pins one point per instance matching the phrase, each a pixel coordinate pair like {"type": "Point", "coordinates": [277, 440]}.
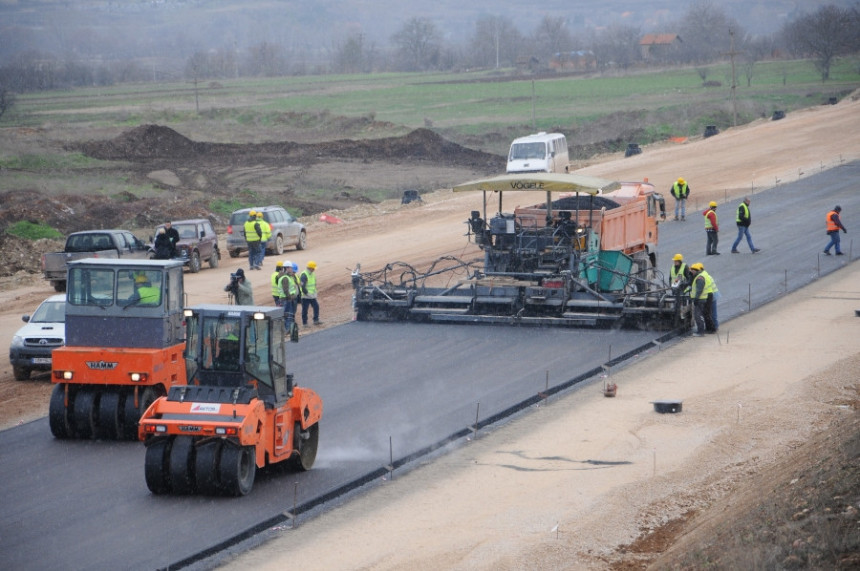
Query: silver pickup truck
{"type": "Point", "coordinates": [91, 244]}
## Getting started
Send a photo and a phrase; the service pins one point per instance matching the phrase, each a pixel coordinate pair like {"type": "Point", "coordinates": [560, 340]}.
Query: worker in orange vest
{"type": "Point", "coordinates": [834, 225]}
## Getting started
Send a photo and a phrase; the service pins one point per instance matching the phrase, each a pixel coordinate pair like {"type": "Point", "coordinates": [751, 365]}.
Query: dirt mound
{"type": "Point", "coordinates": [143, 142]}
{"type": "Point", "coordinates": [149, 142]}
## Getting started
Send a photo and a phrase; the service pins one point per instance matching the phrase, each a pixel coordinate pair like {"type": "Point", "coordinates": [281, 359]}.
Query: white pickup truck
{"type": "Point", "coordinates": [91, 244]}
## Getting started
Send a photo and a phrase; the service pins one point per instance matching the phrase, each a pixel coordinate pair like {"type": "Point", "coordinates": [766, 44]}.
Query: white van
{"type": "Point", "coordinates": [543, 152]}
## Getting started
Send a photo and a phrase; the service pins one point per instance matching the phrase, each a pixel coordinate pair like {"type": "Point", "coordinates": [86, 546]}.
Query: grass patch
{"type": "Point", "coordinates": [50, 162]}
{"type": "Point", "coordinates": [33, 230]}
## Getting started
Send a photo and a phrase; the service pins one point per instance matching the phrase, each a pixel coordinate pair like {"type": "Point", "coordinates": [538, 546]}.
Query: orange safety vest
{"type": "Point", "coordinates": [831, 225]}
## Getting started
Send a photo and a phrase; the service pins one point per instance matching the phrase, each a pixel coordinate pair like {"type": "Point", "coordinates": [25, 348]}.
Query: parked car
{"type": "Point", "coordinates": [91, 244]}
{"type": "Point", "coordinates": [286, 231]}
{"type": "Point", "coordinates": [198, 242]}
{"type": "Point", "coordinates": [32, 344]}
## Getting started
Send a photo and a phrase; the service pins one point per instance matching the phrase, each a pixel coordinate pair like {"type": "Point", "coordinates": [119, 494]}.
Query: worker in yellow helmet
{"type": "Point", "coordinates": [679, 273]}
{"type": "Point", "coordinates": [253, 235]}
{"type": "Point", "coordinates": [712, 229]}
{"type": "Point", "coordinates": [308, 281]}
{"type": "Point", "coordinates": [680, 190]}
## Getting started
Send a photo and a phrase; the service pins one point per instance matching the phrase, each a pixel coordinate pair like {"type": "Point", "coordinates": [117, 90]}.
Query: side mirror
{"type": "Point", "coordinates": [25, 318]}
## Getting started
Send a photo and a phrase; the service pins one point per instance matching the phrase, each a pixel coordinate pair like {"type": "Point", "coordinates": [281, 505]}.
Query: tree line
{"type": "Point", "coordinates": [705, 34]}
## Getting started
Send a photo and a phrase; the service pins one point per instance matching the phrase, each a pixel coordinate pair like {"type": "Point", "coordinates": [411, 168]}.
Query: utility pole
{"type": "Point", "coordinates": [732, 53]}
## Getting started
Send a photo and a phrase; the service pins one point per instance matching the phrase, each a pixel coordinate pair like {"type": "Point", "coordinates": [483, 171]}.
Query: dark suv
{"type": "Point", "coordinates": [286, 231]}
{"type": "Point", "coordinates": [198, 242]}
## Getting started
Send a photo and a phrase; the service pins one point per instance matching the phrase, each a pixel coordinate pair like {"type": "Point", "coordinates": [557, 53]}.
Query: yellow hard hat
{"type": "Point", "coordinates": [140, 279]}
{"type": "Point", "coordinates": [697, 266]}
{"type": "Point", "coordinates": [312, 265]}
{"type": "Point", "coordinates": [252, 213]}
{"type": "Point", "coordinates": [677, 258]}
{"type": "Point", "coordinates": [681, 181]}
{"type": "Point", "coordinates": [259, 215]}
{"type": "Point", "coordinates": [712, 204]}
{"type": "Point", "coordinates": [279, 265]}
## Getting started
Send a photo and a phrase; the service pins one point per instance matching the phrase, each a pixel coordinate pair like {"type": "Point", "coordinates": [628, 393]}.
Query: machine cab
{"type": "Point", "coordinates": [237, 346]}
{"type": "Point", "coordinates": [124, 303]}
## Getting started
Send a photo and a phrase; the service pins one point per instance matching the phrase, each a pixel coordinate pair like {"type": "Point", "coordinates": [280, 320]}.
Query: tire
{"type": "Point", "coordinates": [132, 414]}
{"type": "Point", "coordinates": [194, 262]}
{"type": "Point", "coordinates": [306, 447]}
{"type": "Point", "coordinates": [214, 259]}
{"type": "Point", "coordinates": [237, 469]}
{"type": "Point", "coordinates": [234, 253]}
{"type": "Point", "coordinates": [279, 245]}
{"type": "Point", "coordinates": [110, 415]}
{"type": "Point", "coordinates": [303, 241]}
{"type": "Point", "coordinates": [206, 459]}
{"type": "Point", "coordinates": [181, 465]}
{"type": "Point", "coordinates": [85, 412]}
{"type": "Point", "coordinates": [155, 467]}
{"type": "Point", "coordinates": [21, 373]}
{"type": "Point", "coordinates": [59, 285]}
{"type": "Point", "coordinates": [58, 415]}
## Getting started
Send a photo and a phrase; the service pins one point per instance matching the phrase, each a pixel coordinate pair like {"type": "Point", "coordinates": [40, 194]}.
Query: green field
{"type": "Point", "coordinates": [459, 105]}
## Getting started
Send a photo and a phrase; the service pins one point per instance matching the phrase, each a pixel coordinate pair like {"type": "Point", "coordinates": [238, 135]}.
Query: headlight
{"type": "Point", "coordinates": [17, 341]}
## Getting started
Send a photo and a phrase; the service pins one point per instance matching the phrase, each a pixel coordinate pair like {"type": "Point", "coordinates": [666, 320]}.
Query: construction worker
{"type": "Point", "coordinates": [289, 285]}
{"type": "Point", "coordinates": [277, 294]}
{"type": "Point", "coordinates": [712, 229]}
{"type": "Point", "coordinates": [253, 235]}
{"type": "Point", "coordinates": [145, 292]}
{"type": "Point", "coordinates": [308, 284]}
{"type": "Point", "coordinates": [834, 225]}
{"type": "Point", "coordinates": [679, 273]}
{"type": "Point", "coordinates": [680, 190]}
{"type": "Point", "coordinates": [265, 234]}
{"type": "Point", "coordinates": [744, 219]}
{"type": "Point", "coordinates": [699, 296]}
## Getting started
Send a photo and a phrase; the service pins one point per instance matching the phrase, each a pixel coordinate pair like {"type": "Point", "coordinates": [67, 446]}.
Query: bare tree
{"type": "Point", "coordinates": [705, 30]}
{"type": "Point", "coordinates": [496, 42]}
{"type": "Point", "coordinates": [418, 44]}
{"type": "Point", "coordinates": [552, 37]}
{"type": "Point", "coordinates": [352, 56]}
{"type": "Point", "coordinates": [7, 100]}
{"type": "Point", "coordinates": [755, 50]}
{"type": "Point", "coordinates": [823, 35]}
{"type": "Point", "coordinates": [617, 46]}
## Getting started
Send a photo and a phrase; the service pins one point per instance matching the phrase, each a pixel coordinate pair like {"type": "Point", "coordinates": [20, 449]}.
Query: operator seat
{"type": "Point", "coordinates": [228, 355]}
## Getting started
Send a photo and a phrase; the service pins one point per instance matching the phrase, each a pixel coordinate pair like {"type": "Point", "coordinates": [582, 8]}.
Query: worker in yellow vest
{"type": "Point", "coordinates": [265, 234]}
{"type": "Point", "coordinates": [277, 294]}
{"type": "Point", "coordinates": [699, 296]}
{"type": "Point", "coordinates": [253, 234]}
{"type": "Point", "coordinates": [308, 283]}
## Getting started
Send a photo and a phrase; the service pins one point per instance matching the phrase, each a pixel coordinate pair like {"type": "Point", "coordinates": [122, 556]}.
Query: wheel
{"type": "Point", "coordinates": [214, 259]}
{"type": "Point", "coordinates": [303, 241]}
{"type": "Point", "coordinates": [85, 412]}
{"type": "Point", "coordinates": [306, 445]}
{"type": "Point", "coordinates": [155, 467]}
{"type": "Point", "coordinates": [279, 245]}
{"type": "Point", "coordinates": [181, 465]}
{"type": "Point", "coordinates": [206, 459]}
{"type": "Point", "coordinates": [132, 414]}
{"type": "Point", "coordinates": [233, 253]}
{"type": "Point", "coordinates": [110, 411]}
{"type": "Point", "coordinates": [58, 415]}
{"type": "Point", "coordinates": [59, 285]}
{"type": "Point", "coordinates": [21, 373]}
{"type": "Point", "coordinates": [194, 262]}
{"type": "Point", "coordinates": [237, 469]}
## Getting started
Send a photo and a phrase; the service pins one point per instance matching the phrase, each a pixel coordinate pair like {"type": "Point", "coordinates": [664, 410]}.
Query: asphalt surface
{"type": "Point", "coordinates": [388, 389]}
